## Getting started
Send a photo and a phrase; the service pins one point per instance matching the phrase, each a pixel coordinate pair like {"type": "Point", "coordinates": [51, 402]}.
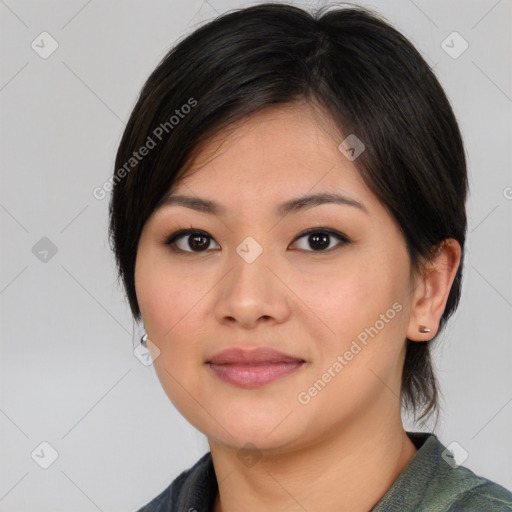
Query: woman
{"type": "Point", "coordinates": [288, 218]}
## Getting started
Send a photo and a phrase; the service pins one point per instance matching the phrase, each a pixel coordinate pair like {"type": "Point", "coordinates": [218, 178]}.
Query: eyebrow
{"type": "Point", "coordinates": [292, 205]}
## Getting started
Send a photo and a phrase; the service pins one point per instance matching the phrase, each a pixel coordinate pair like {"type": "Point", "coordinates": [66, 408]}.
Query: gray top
{"type": "Point", "coordinates": [431, 482]}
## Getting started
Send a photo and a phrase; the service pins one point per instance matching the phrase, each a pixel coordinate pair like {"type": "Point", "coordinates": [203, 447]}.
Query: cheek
{"type": "Point", "coordinates": [169, 306]}
{"type": "Point", "coordinates": [342, 295]}
{"type": "Point", "coordinates": [164, 294]}
{"type": "Point", "coordinates": [361, 300]}
{"type": "Point", "coordinates": [361, 308]}
{"type": "Point", "coordinates": [176, 309]}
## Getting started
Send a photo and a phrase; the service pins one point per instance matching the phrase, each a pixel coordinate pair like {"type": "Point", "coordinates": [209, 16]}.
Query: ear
{"type": "Point", "coordinates": [431, 290]}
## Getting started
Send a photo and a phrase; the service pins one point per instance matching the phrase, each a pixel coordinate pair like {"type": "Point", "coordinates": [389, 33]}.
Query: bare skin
{"type": "Point", "coordinates": [344, 446]}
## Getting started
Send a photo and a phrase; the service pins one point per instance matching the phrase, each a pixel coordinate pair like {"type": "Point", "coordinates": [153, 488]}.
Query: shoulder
{"type": "Point", "coordinates": [482, 494]}
{"type": "Point", "coordinates": [184, 484]}
{"type": "Point", "coordinates": [434, 482]}
{"type": "Point", "coordinates": [460, 489]}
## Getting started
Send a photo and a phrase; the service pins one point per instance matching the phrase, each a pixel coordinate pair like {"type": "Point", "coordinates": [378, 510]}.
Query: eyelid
{"type": "Point", "coordinates": [180, 233]}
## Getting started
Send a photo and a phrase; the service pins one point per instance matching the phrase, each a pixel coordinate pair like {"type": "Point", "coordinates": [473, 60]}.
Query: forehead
{"type": "Point", "coordinates": [276, 153]}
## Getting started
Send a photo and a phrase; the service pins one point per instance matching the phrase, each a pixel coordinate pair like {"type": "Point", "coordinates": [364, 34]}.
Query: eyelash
{"type": "Point", "coordinates": [174, 237]}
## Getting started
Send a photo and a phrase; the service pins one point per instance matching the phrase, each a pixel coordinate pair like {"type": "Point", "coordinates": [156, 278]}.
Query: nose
{"type": "Point", "coordinates": [252, 293]}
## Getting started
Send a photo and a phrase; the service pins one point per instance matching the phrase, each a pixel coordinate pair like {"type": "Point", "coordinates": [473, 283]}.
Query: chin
{"type": "Point", "coordinates": [253, 440]}
{"type": "Point", "coordinates": [264, 432]}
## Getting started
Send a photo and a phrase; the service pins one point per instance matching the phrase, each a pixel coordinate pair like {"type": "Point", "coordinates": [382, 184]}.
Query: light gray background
{"type": "Point", "coordinates": [69, 376]}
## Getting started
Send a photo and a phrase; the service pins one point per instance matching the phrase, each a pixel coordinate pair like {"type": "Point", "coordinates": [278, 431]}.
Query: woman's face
{"type": "Point", "coordinates": [253, 280]}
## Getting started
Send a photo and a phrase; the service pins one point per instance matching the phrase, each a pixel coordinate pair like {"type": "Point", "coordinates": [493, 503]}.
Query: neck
{"type": "Point", "coordinates": [349, 469]}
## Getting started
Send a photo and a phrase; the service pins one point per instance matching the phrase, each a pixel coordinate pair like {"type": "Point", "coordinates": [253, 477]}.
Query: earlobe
{"type": "Point", "coordinates": [431, 291]}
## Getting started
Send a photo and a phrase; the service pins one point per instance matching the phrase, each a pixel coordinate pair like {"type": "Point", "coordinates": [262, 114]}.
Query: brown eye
{"type": "Point", "coordinates": [320, 239]}
{"type": "Point", "coordinates": [193, 241]}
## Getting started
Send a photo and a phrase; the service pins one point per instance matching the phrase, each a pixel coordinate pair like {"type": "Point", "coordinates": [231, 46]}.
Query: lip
{"type": "Point", "coordinates": [253, 368]}
{"type": "Point", "coordinates": [242, 356]}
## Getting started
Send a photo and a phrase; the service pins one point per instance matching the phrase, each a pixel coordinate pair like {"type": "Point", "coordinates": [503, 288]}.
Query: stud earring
{"type": "Point", "coordinates": [144, 339]}
{"type": "Point", "coordinates": [423, 328]}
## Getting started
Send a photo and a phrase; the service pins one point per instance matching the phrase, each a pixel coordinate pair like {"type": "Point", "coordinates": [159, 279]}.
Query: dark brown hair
{"type": "Point", "coordinates": [351, 61]}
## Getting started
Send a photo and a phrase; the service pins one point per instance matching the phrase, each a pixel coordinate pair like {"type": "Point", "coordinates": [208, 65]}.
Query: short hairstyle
{"type": "Point", "coordinates": [365, 74]}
